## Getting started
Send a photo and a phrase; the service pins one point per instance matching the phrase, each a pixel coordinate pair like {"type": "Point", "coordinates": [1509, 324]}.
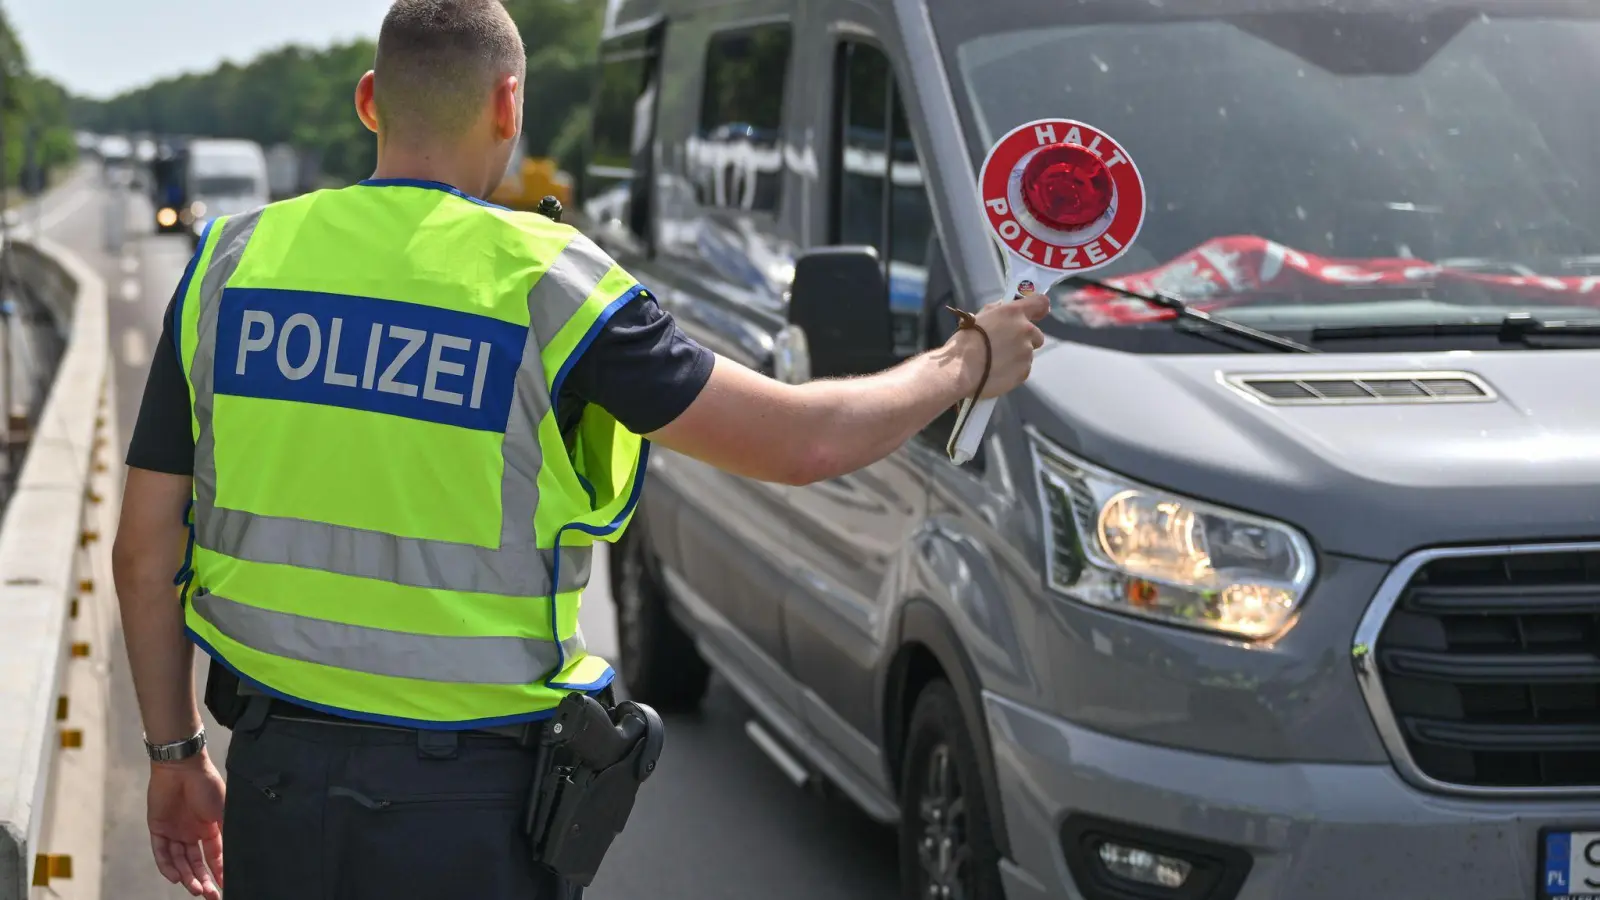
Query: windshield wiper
{"type": "Point", "coordinates": [1185, 311]}
{"type": "Point", "coordinates": [1516, 328]}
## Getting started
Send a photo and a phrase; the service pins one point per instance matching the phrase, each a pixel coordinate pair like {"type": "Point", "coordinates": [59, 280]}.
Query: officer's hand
{"type": "Point", "coordinates": [185, 814]}
{"type": "Point", "coordinates": [1012, 336]}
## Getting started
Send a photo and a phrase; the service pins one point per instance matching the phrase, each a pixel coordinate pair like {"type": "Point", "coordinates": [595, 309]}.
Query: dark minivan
{"type": "Point", "coordinates": [1208, 617]}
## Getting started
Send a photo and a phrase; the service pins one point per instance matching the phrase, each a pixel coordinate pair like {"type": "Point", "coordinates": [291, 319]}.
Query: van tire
{"type": "Point", "coordinates": [945, 833]}
{"type": "Point", "coordinates": [657, 659]}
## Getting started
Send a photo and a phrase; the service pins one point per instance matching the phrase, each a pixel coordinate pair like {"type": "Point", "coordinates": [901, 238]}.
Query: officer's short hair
{"type": "Point", "coordinates": [437, 62]}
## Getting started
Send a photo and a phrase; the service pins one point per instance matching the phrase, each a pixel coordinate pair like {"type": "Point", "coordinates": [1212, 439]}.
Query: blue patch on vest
{"type": "Point", "coordinates": [383, 356]}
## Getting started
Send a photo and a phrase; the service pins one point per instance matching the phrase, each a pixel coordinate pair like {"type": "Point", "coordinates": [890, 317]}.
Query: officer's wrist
{"type": "Point", "coordinates": [179, 750]}
{"type": "Point", "coordinates": [194, 763]}
{"type": "Point", "coordinates": [966, 355]}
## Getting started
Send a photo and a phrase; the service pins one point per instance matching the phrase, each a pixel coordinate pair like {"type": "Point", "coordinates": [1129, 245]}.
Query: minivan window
{"type": "Point", "coordinates": [623, 111]}
{"type": "Point", "coordinates": [611, 152]}
{"type": "Point", "coordinates": [737, 155]}
{"type": "Point", "coordinates": [1319, 164]}
{"type": "Point", "coordinates": [879, 195]}
{"type": "Point", "coordinates": [863, 122]}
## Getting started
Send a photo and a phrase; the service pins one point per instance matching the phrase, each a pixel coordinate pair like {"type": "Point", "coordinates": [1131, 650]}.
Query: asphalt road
{"type": "Point", "coordinates": [717, 821]}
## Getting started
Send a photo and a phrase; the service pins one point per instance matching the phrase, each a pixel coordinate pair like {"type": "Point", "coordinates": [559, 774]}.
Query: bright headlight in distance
{"type": "Point", "coordinates": [166, 217]}
{"type": "Point", "coordinates": [1127, 547]}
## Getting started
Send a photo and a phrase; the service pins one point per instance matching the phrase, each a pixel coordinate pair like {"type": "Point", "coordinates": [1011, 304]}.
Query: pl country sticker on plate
{"type": "Point", "coordinates": [1569, 864]}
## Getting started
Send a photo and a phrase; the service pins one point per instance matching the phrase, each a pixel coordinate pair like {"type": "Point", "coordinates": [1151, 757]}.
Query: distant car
{"type": "Point", "coordinates": [225, 177]}
{"type": "Point", "coordinates": [115, 148]}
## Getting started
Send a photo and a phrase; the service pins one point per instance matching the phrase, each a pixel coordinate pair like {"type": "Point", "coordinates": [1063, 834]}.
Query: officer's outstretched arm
{"type": "Point", "coordinates": [748, 424]}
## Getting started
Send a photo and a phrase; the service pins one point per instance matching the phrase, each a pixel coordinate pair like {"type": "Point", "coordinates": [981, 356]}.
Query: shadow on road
{"type": "Point", "coordinates": [727, 825]}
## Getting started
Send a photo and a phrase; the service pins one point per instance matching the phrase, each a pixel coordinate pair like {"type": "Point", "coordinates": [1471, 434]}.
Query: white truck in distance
{"type": "Point", "coordinates": [226, 177]}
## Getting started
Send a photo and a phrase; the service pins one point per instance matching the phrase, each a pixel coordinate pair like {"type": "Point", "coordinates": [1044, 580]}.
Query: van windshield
{"type": "Point", "coordinates": [226, 186]}
{"type": "Point", "coordinates": [1319, 163]}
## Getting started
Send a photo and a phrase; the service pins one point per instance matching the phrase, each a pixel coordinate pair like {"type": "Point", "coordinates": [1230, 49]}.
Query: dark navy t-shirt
{"type": "Point", "coordinates": [641, 368]}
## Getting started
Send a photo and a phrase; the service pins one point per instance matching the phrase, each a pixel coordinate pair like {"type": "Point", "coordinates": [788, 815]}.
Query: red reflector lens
{"type": "Point", "coordinates": [1066, 187]}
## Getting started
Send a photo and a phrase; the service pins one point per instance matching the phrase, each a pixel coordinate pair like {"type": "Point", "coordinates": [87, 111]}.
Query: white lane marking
{"type": "Point", "coordinates": [130, 289]}
{"type": "Point", "coordinates": [67, 209]}
{"type": "Point", "coordinates": [130, 264]}
{"type": "Point", "coordinates": [135, 350]}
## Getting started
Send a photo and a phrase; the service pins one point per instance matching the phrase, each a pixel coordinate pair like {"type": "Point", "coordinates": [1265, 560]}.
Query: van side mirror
{"type": "Point", "coordinates": [839, 301]}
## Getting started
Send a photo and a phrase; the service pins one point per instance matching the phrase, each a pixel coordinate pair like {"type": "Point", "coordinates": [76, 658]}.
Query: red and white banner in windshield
{"type": "Point", "coordinates": [1243, 269]}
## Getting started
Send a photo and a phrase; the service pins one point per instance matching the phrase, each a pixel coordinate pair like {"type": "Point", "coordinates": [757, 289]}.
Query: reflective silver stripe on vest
{"type": "Point", "coordinates": [518, 572]}
{"type": "Point", "coordinates": [225, 255]}
{"type": "Point", "coordinates": [516, 568]}
{"type": "Point", "coordinates": [454, 660]}
{"type": "Point", "coordinates": [564, 287]}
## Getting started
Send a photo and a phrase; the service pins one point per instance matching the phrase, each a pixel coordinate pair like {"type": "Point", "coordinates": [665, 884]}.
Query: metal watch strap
{"type": "Point", "coordinates": [177, 750]}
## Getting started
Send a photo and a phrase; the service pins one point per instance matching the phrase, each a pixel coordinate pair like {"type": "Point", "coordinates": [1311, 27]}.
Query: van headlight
{"type": "Point", "coordinates": [1139, 550]}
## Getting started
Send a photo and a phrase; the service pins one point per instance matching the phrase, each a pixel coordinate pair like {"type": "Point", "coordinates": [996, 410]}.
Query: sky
{"type": "Point", "coordinates": [97, 48]}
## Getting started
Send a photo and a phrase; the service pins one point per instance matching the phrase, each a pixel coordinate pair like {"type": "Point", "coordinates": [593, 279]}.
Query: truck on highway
{"type": "Point", "coordinates": [116, 159]}
{"type": "Point", "coordinates": [293, 170]}
{"type": "Point", "coordinates": [1210, 617]}
{"type": "Point", "coordinates": [283, 171]}
{"type": "Point", "coordinates": [169, 188]}
{"type": "Point", "coordinates": [225, 177]}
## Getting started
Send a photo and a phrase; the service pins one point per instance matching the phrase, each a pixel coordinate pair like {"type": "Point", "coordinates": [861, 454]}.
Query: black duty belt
{"type": "Point", "coordinates": [293, 712]}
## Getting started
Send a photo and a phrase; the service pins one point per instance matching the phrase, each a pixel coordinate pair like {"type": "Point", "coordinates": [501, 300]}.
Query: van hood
{"type": "Point", "coordinates": [1368, 479]}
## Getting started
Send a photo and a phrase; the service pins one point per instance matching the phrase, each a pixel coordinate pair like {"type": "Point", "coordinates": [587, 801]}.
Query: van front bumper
{"type": "Point", "coordinates": [1311, 831]}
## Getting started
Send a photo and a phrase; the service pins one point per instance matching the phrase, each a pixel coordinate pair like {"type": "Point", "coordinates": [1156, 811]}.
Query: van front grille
{"type": "Point", "coordinates": [1490, 666]}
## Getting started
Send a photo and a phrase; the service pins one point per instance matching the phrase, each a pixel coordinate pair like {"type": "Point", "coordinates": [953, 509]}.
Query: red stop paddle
{"type": "Point", "coordinates": [1062, 199]}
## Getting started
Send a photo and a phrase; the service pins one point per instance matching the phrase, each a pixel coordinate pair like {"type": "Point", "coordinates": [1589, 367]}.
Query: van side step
{"type": "Point", "coordinates": [775, 751]}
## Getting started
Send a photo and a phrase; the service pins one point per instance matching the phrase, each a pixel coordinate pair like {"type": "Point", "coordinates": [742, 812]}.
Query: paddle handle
{"type": "Point", "coordinates": [972, 419]}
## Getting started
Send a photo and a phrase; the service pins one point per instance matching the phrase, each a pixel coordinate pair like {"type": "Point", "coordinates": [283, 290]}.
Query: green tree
{"type": "Point", "coordinates": [31, 108]}
{"type": "Point", "coordinates": [561, 37]}
{"type": "Point", "coordinates": [290, 95]}
{"type": "Point", "coordinates": [302, 96]}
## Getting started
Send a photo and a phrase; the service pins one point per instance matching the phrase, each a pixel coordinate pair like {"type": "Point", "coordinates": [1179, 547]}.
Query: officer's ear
{"type": "Point", "coordinates": [507, 108]}
{"type": "Point", "coordinates": [366, 106]}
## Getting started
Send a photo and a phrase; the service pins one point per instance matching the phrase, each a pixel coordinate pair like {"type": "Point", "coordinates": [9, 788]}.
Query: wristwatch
{"type": "Point", "coordinates": [177, 750]}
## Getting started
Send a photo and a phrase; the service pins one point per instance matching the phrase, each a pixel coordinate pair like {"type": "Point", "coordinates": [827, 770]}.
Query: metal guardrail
{"type": "Point", "coordinates": [32, 340]}
{"type": "Point", "coordinates": [57, 608]}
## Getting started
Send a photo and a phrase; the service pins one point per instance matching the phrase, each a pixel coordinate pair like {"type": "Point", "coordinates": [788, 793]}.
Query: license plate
{"type": "Point", "coordinates": [1569, 864]}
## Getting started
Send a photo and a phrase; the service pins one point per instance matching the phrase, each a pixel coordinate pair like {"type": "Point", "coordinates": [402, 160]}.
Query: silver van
{"type": "Point", "coordinates": [1210, 616]}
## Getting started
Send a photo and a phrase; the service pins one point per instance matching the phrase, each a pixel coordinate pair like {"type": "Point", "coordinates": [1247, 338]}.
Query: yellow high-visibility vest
{"type": "Point", "coordinates": [388, 523]}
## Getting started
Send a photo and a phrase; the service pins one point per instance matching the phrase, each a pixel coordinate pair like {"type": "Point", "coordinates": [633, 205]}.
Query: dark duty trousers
{"type": "Point", "coordinates": [320, 810]}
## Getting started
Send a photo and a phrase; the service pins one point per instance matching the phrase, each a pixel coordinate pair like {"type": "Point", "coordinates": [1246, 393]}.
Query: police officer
{"type": "Point", "coordinates": [385, 427]}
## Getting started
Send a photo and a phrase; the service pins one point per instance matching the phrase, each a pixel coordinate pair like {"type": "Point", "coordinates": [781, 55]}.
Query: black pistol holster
{"type": "Point", "coordinates": [223, 698]}
{"type": "Point", "coordinates": [589, 765]}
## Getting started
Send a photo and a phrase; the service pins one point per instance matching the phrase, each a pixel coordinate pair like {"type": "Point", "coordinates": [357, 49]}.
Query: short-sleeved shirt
{"type": "Point", "coordinates": [641, 368]}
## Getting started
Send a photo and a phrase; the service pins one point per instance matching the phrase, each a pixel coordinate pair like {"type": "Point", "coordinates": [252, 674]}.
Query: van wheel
{"type": "Point", "coordinates": [947, 849]}
{"type": "Point", "coordinates": [658, 660]}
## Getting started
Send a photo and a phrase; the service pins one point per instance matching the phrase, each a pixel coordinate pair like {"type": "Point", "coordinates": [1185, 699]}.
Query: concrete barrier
{"type": "Point", "coordinates": [53, 562]}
